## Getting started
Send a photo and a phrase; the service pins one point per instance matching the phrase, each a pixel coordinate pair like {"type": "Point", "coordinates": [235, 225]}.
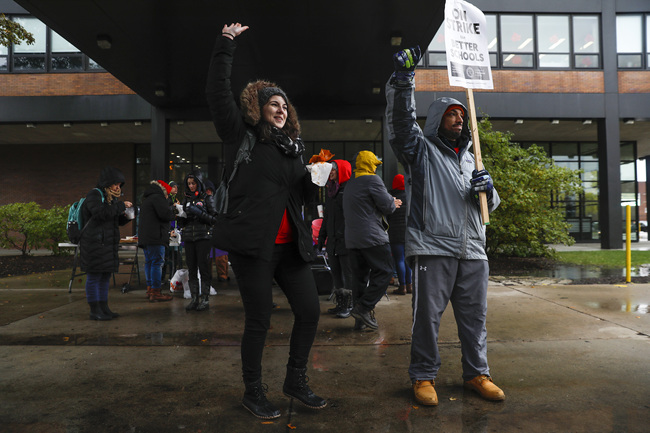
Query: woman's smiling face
{"type": "Point", "coordinates": [275, 111]}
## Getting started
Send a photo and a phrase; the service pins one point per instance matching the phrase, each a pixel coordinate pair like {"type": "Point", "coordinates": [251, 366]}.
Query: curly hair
{"type": "Point", "coordinates": [249, 102]}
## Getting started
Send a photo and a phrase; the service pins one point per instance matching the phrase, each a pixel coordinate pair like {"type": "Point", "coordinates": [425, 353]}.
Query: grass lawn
{"type": "Point", "coordinates": [604, 258]}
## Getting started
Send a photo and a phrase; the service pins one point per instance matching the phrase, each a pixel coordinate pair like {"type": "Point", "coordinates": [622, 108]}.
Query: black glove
{"type": "Point", "coordinates": [481, 182]}
{"type": "Point", "coordinates": [405, 62]}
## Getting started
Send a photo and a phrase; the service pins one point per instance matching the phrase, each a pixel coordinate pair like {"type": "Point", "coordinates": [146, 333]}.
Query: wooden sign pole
{"type": "Point", "coordinates": [476, 146]}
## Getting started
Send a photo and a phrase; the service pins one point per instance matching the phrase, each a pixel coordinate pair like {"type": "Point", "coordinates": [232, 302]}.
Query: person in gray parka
{"type": "Point", "coordinates": [445, 237]}
{"type": "Point", "coordinates": [366, 204]}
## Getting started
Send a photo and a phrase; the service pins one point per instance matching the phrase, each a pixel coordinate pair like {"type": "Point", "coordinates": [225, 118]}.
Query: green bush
{"type": "Point", "coordinates": [525, 222]}
{"type": "Point", "coordinates": [26, 226]}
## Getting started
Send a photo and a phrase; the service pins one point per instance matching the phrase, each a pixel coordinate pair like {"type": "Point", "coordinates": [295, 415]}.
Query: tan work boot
{"type": "Point", "coordinates": [485, 387]}
{"type": "Point", "coordinates": [157, 296]}
{"type": "Point", "coordinates": [148, 291]}
{"type": "Point", "coordinates": [425, 392]}
{"type": "Point", "coordinates": [401, 290]}
{"type": "Point", "coordinates": [409, 288]}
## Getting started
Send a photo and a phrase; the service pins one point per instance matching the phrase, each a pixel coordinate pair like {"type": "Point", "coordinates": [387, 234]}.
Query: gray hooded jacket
{"type": "Point", "coordinates": [444, 219]}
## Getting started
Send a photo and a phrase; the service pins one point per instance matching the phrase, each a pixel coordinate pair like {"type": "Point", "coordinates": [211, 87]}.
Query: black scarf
{"type": "Point", "coordinates": [289, 147]}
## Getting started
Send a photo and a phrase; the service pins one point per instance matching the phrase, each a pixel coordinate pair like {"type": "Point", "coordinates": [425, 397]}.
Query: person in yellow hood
{"type": "Point", "coordinates": [366, 204]}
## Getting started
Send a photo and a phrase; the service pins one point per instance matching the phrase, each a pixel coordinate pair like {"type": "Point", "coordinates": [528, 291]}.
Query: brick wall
{"type": "Point", "coordinates": [61, 84]}
{"type": "Point", "coordinates": [520, 81]}
{"type": "Point", "coordinates": [61, 174]}
{"type": "Point", "coordinates": [634, 81]}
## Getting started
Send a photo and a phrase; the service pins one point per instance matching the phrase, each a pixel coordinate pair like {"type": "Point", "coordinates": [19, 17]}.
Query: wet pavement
{"type": "Point", "coordinates": [569, 358]}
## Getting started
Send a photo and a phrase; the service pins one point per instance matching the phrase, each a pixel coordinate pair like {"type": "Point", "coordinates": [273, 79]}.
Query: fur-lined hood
{"type": "Point", "coordinates": [250, 107]}
{"type": "Point", "coordinates": [154, 188]}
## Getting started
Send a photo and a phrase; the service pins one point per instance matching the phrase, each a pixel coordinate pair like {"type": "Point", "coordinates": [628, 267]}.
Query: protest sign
{"type": "Point", "coordinates": [468, 65]}
{"type": "Point", "coordinates": [468, 57]}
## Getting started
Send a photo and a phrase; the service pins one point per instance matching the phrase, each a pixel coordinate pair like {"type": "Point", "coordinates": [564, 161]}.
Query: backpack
{"type": "Point", "coordinates": [243, 155]}
{"type": "Point", "coordinates": [75, 224]}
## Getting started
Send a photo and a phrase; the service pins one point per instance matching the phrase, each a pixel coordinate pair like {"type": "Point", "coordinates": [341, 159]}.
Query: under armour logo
{"type": "Point", "coordinates": [423, 268]}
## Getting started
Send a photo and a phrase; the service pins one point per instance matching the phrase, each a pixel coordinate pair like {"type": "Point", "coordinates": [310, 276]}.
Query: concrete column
{"type": "Point", "coordinates": [159, 144]}
{"type": "Point", "coordinates": [609, 139]}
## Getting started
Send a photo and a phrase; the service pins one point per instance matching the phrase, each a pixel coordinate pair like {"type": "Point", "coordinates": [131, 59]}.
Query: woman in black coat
{"type": "Point", "coordinates": [263, 229]}
{"type": "Point", "coordinates": [103, 214]}
{"type": "Point", "coordinates": [196, 233]}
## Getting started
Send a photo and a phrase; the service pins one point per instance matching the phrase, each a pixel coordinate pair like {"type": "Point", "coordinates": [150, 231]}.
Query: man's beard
{"type": "Point", "coordinates": [449, 134]}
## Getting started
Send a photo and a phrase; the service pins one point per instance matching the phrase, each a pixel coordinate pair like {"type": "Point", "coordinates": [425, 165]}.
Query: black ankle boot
{"type": "Point", "coordinates": [346, 304]}
{"type": "Point", "coordinates": [338, 297]}
{"type": "Point", "coordinates": [103, 305]}
{"type": "Point", "coordinates": [96, 312]}
{"type": "Point", "coordinates": [193, 303]}
{"type": "Point", "coordinates": [255, 401]}
{"type": "Point", "coordinates": [204, 302]}
{"type": "Point", "coordinates": [295, 385]}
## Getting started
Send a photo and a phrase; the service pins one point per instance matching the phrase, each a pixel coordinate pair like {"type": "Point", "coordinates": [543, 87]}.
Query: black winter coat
{"type": "Point", "coordinates": [333, 228]}
{"type": "Point", "coordinates": [262, 188]}
{"type": "Point", "coordinates": [155, 215]}
{"type": "Point", "coordinates": [101, 234]}
{"type": "Point", "coordinates": [397, 220]}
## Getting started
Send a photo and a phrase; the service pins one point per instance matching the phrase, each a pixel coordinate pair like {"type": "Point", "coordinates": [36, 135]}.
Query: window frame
{"type": "Point", "coordinates": [48, 57]}
{"type": "Point", "coordinates": [498, 55]}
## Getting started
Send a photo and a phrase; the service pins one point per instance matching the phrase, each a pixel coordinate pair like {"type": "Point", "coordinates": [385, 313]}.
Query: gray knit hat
{"type": "Point", "coordinates": [265, 94]}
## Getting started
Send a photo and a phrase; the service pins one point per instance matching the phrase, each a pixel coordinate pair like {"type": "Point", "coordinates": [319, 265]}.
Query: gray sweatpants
{"type": "Point", "coordinates": [436, 281]}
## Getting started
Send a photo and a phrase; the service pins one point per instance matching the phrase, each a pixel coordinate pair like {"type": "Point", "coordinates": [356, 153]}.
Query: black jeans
{"type": "Point", "coordinates": [197, 256]}
{"type": "Point", "coordinates": [372, 269]}
{"type": "Point", "coordinates": [295, 278]}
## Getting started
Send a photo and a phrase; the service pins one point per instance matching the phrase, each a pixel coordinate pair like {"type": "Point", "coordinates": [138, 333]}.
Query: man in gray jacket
{"type": "Point", "coordinates": [366, 202]}
{"type": "Point", "coordinates": [445, 236]}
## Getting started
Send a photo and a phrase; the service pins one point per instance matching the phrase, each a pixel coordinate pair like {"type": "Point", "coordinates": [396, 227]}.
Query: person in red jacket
{"type": "Point", "coordinates": [397, 237]}
{"type": "Point", "coordinates": [332, 236]}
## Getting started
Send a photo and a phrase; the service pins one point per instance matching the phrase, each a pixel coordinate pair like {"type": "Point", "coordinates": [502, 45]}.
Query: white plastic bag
{"type": "Point", "coordinates": [180, 281]}
{"type": "Point", "coordinates": [181, 211]}
{"type": "Point", "coordinates": [320, 172]}
{"type": "Point", "coordinates": [175, 238]}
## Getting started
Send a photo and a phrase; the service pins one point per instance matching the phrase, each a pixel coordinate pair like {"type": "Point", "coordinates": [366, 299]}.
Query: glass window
{"type": "Point", "coordinates": [65, 56]}
{"type": "Point", "coordinates": [553, 33]}
{"type": "Point", "coordinates": [517, 34]}
{"type": "Point", "coordinates": [31, 57]}
{"type": "Point", "coordinates": [587, 61]}
{"type": "Point", "coordinates": [627, 152]}
{"type": "Point", "coordinates": [565, 151]}
{"type": "Point", "coordinates": [590, 171]}
{"type": "Point", "coordinates": [491, 33]}
{"type": "Point", "coordinates": [93, 64]}
{"type": "Point", "coordinates": [589, 151]}
{"type": "Point", "coordinates": [60, 45]}
{"type": "Point", "coordinates": [553, 41]}
{"type": "Point", "coordinates": [629, 60]}
{"type": "Point", "coordinates": [438, 41]}
{"type": "Point", "coordinates": [4, 51]}
{"type": "Point", "coordinates": [38, 30]}
{"type": "Point", "coordinates": [586, 34]}
{"type": "Point", "coordinates": [628, 34]}
{"type": "Point", "coordinates": [437, 59]}
{"type": "Point", "coordinates": [437, 55]}
{"type": "Point", "coordinates": [203, 152]}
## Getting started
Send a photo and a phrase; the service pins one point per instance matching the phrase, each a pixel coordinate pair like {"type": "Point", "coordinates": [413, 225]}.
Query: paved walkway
{"type": "Point", "coordinates": [569, 358]}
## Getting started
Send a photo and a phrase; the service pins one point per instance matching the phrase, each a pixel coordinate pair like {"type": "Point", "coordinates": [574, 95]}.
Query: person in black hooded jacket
{"type": "Point", "coordinates": [153, 235]}
{"type": "Point", "coordinates": [103, 214]}
{"type": "Point", "coordinates": [196, 233]}
{"type": "Point", "coordinates": [263, 229]}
